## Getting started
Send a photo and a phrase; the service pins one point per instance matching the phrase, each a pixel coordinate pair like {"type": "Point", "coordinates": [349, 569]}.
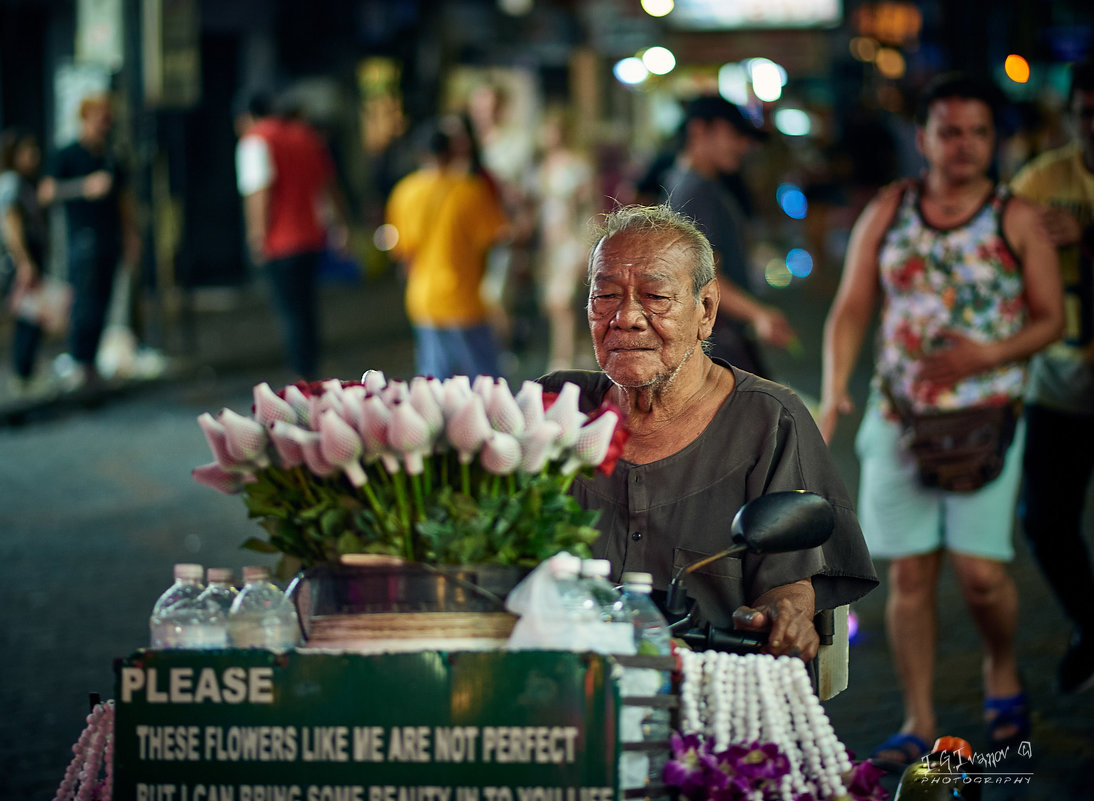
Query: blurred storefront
{"type": "Point", "coordinates": [368, 72]}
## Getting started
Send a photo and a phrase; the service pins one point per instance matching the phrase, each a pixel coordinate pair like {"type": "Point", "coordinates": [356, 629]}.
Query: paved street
{"type": "Point", "coordinates": [97, 504]}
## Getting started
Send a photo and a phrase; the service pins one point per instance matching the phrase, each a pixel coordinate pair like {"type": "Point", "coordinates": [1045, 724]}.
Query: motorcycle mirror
{"type": "Point", "coordinates": [774, 523]}
{"type": "Point", "coordinates": [783, 521]}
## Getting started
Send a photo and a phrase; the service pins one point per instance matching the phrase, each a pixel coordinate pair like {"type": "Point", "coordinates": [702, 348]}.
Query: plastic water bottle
{"type": "Point", "coordinates": [261, 616]}
{"type": "Point", "coordinates": [652, 637]}
{"type": "Point", "coordinates": [220, 588]}
{"type": "Point", "coordinates": [616, 634]}
{"type": "Point", "coordinates": [165, 633]}
{"type": "Point", "coordinates": [580, 613]}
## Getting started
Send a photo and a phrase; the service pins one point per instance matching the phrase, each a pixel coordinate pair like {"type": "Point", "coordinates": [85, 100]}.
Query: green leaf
{"type": "Point", "coordinates": [260, 546]}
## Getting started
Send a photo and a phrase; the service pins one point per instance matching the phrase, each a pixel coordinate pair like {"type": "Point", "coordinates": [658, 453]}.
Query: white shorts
{"type": "Point", "coordinates": [901, 517]}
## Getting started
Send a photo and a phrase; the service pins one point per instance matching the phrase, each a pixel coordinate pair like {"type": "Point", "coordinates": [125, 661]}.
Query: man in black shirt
{"type": "Point", "coordinates": [87, 178]}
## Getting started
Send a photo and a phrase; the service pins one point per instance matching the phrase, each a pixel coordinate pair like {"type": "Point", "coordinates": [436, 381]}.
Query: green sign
{"type": "Point", "coordinates": [427, 726]}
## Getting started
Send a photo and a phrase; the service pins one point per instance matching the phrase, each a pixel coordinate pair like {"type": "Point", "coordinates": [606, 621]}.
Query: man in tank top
{"type": "Point", "coordinates": [968, 289]}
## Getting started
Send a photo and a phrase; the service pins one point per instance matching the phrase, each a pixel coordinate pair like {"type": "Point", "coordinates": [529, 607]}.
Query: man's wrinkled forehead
{"type": "Point", "coordinates": [659, 256]}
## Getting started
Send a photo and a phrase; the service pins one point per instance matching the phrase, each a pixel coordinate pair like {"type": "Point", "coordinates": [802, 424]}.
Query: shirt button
{"type": "Point", "coordinates": [636, 535]}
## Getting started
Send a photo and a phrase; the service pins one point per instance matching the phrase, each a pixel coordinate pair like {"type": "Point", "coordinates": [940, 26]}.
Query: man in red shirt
{"type": "Point", "coordinates": [286, 177]}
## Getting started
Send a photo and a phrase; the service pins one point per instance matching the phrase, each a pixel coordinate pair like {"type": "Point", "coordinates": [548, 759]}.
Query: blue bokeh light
{"type": "Point", "coordinates": [792, 201]}
{"type": "Point", "coordinates": [799, 262]}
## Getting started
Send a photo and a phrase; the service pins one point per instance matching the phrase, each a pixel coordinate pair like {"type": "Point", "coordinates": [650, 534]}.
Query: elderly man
{"type": "Point", "coordinates": [705, 438]}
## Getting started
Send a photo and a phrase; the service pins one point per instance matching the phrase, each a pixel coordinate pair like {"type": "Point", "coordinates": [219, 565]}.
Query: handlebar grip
{"type": "Point", "coordinates": [737, 642]}
{"type": "Point", "coordinates": [710, 638]}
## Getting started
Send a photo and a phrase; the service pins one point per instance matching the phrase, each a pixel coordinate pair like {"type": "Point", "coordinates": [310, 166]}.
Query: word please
{"type": "Point", "coordinates": [232, 685]}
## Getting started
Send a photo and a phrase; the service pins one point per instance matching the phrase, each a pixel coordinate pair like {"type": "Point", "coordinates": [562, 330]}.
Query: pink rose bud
{"type": "Point", "coordinates": [217, 439]}
{"type": "Point", "coordinates": [286, 440]}
{"type": "Point", "coordinates": [502, 410]}
{"type": "Point", "coordinates": [565, 412]}
{"type": "Point", "coordinates": [592, 443]}
{"type": "Point", "coordinates": [313, 454]}
{"type": "Point", "coordinates": [482, 386]}
{"type": "Point", "coordinates": [269, 408]}
{"type": "Point", "coordinates": [468, 428]}
{"type": "Point", "coordinates": [501, 453]}
{"type": "Point", "coordinates": [245, 438]}
{"type": "Point", "coordinates": [530, 401]}
{"type": "Point", "coordinates": [299, 402]}
{"type": "Point", "coordinates": [375, 421]}
{"type": "Point", "coordinates": [215, 476]}
{"type": "Point", "coordinates": [540, 446]}
{"type": "Point", "coordinates": [373, 381]}
{"type": "Point", "coordinates": [409, 436]}
{"type": "Point", "coordinates": [395, 392]}
{"type": "Point", "coordinates": [341, 446]}
{"type": "Point", "coordinates": [424, 401]}
{"type": "Point", "coordinates": [353, 398]}
{"type": "Point", "coordinates": [456, 391]}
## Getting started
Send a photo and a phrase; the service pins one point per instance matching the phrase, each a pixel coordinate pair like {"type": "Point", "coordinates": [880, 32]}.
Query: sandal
{"type": "Point", "coordinates": [908, 747]}
{"type": "Point", "coordinates": [1010, 712]}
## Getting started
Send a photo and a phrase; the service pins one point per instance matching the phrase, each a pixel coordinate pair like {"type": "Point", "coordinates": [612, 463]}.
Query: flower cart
{"type": "Point", "coordinates": [398, 507]}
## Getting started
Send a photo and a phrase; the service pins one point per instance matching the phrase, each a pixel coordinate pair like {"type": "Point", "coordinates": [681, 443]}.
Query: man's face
{"type": "Point", "coordinates": [724, 145]}
{"type": "Point", "coordinates": [959, 138]}
{"type": "Point", "coordinates": [1082, 113]}
{"type": "Point", "coordinates": [643, 314]}
{"type": "Point", "coordinates": [97, 121]}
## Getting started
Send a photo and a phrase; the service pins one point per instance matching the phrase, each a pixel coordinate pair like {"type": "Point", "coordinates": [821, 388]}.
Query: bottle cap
{"type": "Point", "coordinates": [188, 570]}
{"type": "Point", "coordinates": [954, 745]}
{"type": "Point", "coordinates": [255, 573]}
{"type": "Point", "coordinates": [564, 565]}
{"type": "Point", "coordinates": [219, 574]}
{"type": "Point", "coordinates": [638, 578]}
{"type": "Point", "coordinates": [596, 567]}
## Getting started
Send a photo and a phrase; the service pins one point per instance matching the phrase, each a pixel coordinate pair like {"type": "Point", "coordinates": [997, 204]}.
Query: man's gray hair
{"type": "Point", "coordinates": [659, 220]}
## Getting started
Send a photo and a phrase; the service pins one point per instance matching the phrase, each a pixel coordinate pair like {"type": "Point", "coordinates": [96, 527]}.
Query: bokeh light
{"type": "Point", "coordinates": [799, 263]}
{"type": "Point", "coordinates": [657, 8]}
{"type": "Point", "coordinates": [733, 83]}
{"type": "Point", "coordinates": [863, 48]}
{"type": "Point", "coordinates": [385, 237]}
{"type": "Point", "coordinates": [1017, 68]}
{"type": "Point", "coordinates": [630, 70]}
{"type": "Point", "coordinates": [890, 63]}
{"type": "Point", "coordinates": [768, 79]}
{"type": "Point", "coordinates": [793, 122]}
{"type": "Point", "coordinates": [659, 60]}
{"type": "Point", "coordinates": [791, 200]}
{"type": "Point", "coordinates": [776, 274]}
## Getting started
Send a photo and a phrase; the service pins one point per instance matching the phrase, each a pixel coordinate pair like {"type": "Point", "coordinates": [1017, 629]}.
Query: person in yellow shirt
{"type": "Point", "coordinates": [447, 217]}
{"type": "Point", "coordinates": [1059, 457]}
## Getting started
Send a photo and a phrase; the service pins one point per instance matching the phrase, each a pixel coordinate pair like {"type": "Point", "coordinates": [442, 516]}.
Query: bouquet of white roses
{"type": "Point", "coordinates": [442, 472]}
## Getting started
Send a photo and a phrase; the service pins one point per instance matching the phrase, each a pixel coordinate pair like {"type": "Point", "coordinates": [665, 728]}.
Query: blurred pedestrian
{"type": "Point", "coordinates": [291, 206]}
{"type": "Point", "coordinates": [969, 289]}
{"type": "Point", "coordinates": [1059, 457]}
{"type": "Point", "coordinates": [564, 189]}
{"type": "Point", "coordinates": [100, 211]}
{"type": "Point", "coordinates": [702, 185]}
{"type": "Point", "coordinates": [447, 218]}
{"type": "Point", "coordinates": [23, 235]}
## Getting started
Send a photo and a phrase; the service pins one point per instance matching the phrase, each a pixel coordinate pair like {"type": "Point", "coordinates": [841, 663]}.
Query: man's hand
{"type": "Point", "coordinates": [773, 328]}
{"type": "Point", "coordinates": [961, 357]}
{"type": "Point", "coordinates": [830, 411]}
{"type": "Point", "coordinates": [97, 185]}
{"type": "Point", "coordinates": [785, 612]}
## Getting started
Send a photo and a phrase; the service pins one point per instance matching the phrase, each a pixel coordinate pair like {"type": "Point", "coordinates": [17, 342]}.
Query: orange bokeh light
{"type": "Point", "coordinates": [1017, 68]}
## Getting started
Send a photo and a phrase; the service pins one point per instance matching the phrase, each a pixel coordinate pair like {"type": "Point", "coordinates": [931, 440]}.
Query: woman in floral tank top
{"type": "Point", "coordinates": [969, 289]}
